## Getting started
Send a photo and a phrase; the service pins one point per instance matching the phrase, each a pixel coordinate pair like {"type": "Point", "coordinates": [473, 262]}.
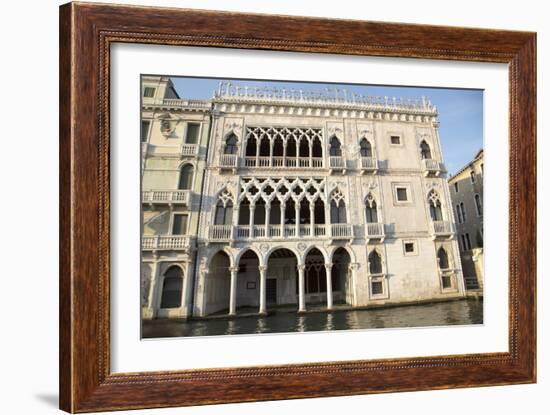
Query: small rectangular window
{"type": "Point", "coordinates": [377, 288]}
{"type": "Point", "coordinates": [401, 194]}
{"type": "Point", "coordinates": [409, 247]}
{"type": "Point", "coordinates": [462, 212]}
{"type": "Point", "coordinates": [446, 281]}
{"type": "Point", "coordinates": [395, 139]}
{"type": "Point", "coordinates": [144, 131]}
{"type": "Point", "coordinates": [148, 92]}
{"type": "Point", "coordinates": [179, 226]}
{"type": "Point", "coordinates": [456, 187]}
{"type": "Point", "coordinates": [192, 136]}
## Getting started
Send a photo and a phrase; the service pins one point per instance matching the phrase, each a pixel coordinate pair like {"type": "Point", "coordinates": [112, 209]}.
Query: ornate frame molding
{"type": "Point", "coordinates": [86, 33]}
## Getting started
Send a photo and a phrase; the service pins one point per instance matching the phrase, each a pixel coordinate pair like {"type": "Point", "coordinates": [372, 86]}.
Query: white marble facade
{"type": "Point", "coordinates": [292, 198]}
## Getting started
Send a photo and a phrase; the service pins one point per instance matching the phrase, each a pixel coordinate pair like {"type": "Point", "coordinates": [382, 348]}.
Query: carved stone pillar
{"type": "Point", "coordinates": [251, 221]}
{"type": "Point", "coordinates": [312, 219]}
{"type": "Point", "coordinates": [233, 291]}
{"type": "Point", "coordinates": [263, 277]}
{"type": "Point", "coordinates": [328, 268]}
{"type": "Point", "coordinates": [301, 289]}
{"type": "Point", "coordinates": [297, 215]}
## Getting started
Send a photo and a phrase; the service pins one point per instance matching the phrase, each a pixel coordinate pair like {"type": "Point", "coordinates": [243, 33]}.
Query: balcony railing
{"type": "Point", "coordinates": [228, 161]}
{"type": "Point", "coordinates": [229, 233]}
{"type": "Point", "coordinates": [168, 242]}
{"type": "Point", "coordinates": [174, 151]}
{"type": "Point", "coordinates": [431, 166]}
{"type": "Point", "coordinates": [337, 162]}
{"type": "Point", "coordinates": [178, 197]}
{"type": "Point", "coordinates": [369, 164]}
{"type": "Point", "coordinates": [341, 231]}
{"type": "Point", "coordinates": [288, 162]}
{"type": "Point", "coordinates": [189, 149]}
{"type": "Point", "coordinates": [374, 231]}
{"type": "Point", "coordinates": [220, 232]}
{"type": "Point", "coordinates": [442, 228]}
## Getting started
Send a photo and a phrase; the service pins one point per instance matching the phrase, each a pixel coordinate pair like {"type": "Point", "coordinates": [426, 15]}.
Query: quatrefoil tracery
{"type": "Point", "coordinates": [283, 189]}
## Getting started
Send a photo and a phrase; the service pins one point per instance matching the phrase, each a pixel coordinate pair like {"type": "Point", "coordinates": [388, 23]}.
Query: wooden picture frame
{"type": "Point", "coordinates": [86, 33]}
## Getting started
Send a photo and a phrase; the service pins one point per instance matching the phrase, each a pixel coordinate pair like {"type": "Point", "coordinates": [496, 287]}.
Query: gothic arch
{"type": "Point", "coordinates": [377, 261]}
{"type": "Point", "coordinates": [365, 147]}
{"type": "Point", "coordinates": [220, 249]}
{"type": "Point", "coordinates": [425, 150]}
{"type": "Point", "coordinates": [312, 247]}
{"type": "Point", "coordinates": [435, 205]}
{"type": "Point", "coordinates": [350, 252]}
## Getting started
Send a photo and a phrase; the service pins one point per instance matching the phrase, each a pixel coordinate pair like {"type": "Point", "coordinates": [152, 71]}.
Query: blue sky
{"type": "Point", "coordinates": [460, 110]}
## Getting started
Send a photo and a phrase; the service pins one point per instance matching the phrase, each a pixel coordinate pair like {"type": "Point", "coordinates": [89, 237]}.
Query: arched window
{"type": "Point", "coordinates": [375, 263]}
{"type": "Point", "coordinates": [442, 258]}
{"type": "Point", "coordinates": [224, 209]}
{"type": "Point", "coordinates": [365, 148]}
{"type": "Point", "coordinates": [172, 288]}
{"type": "Point", "coordinates": [317, 148]}
{"type": "Point", "coordinates": [230, 144]}
{"type": "Point", "coordinates": [425, 151]}
{"type": "Point", "coordinates": [291, 147]}
{"type": "Point", "coordinates": [371, 209]}
{"type": "Point", "coordinates": [251, 147]}
{"type": "Point", "coordinates": [186, 177]}
{"type": "Point", "coordinates": [337, 207]}
{"type": "Point", "coordinates": [435, 206]}
{"type": "Point", "coordinates": [304, 147]}
{"type": "Point", "coordinates": [335, 147]}
{"type": "Point", "coordinates": [479, 207]}
{"type": "Point", "coordinates": [278, 147]}
{"type": "Point", "coordinates": [264, 146]}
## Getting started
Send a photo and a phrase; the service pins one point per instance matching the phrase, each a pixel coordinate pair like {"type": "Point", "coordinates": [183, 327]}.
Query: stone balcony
{"type": "Point", "coordinates": [169, 151]}
{"type": "Point", "coordinates": [431, 167]}
{"type": "Point", "coordinates": [230, 233]}
{"type": "Point", "coordinates": [166, 197]}
{"type": "Point", "coordinates": [285, 162]}
{"type": "Point", "coordinates": [368, 165]}
{"type": "Point", "coordinates": [442, 229]}
{"type": "Point", "coordinates": [337, 163]}
{"type": "Point", "coordinates": [229, 161]}
{"type": "Point", "coordinates": [374, 231]}
{"type": "Point", "coordinates": [166, 243]}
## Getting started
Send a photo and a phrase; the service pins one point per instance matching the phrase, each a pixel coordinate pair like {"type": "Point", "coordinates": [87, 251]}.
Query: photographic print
{"type": "Point", "coordinates": [282, 207]}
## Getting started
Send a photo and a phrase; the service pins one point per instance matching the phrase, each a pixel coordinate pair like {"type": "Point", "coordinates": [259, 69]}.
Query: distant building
{"type": "Point", "coordinates": [466, 188]}
{"type": "Point", "coordinates": [263, 197]}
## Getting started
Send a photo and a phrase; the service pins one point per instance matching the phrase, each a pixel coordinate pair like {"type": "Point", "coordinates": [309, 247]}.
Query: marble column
{"type": "Point", "coordinates": [328, 269]}
{"type": "Point", "coordinates": [251, 221]}
{"type": "Point", "coordinates": [297, 216]}
{"type": "Point", "coordinates": [233, 291]}
{"type": "Point", "coordinates": [312, 219]}
{"type": "Point", "coordinates": [301, 289]}
{"type": "Point", "coordinates": [263, 277]}
{"type": "Point", "coordinates": [283, 207]}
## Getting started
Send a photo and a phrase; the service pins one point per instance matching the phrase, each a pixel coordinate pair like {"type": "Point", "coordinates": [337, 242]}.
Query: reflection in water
{"type": "Point", "coordinates": [468, 311]}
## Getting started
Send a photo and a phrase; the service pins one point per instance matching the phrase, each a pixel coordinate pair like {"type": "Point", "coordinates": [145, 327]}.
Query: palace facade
{"type": "Point", "coordinates": [466, 188]}
{"type": "Point", "coordinates": [262, 198]}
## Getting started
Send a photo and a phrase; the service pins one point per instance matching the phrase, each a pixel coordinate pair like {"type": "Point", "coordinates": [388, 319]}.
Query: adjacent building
{"type": "Point", "coordinates": [261, 198]}
{"type": "Point", "coordinates": [466, 189]}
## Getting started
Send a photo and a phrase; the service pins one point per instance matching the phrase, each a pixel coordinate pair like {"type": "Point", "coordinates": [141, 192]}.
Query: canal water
{"type": "Point", "coordinates": [461, 312]}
